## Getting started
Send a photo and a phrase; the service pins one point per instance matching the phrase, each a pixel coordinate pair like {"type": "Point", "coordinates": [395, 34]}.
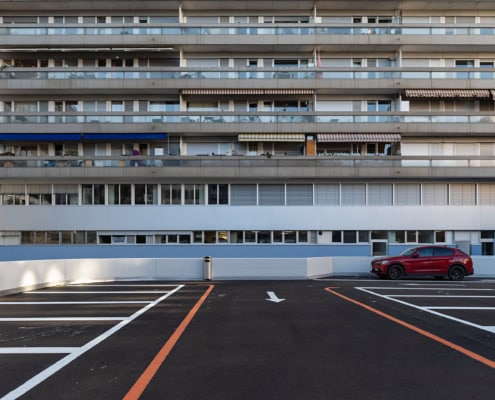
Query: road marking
{"type": "Point", "coordinates": [143, 381]}
{"type": "Point", "coordinates": [426, 309]}
{"type": "Point", "coordinates": [441, 295]}
{"type": "Point", "coordinates": [273, 297]}
{"type": "Point", "coordinates": [460, 349]}
{"type": "Point", "coordinates": [98, 292]}
{"type": "Point", "coordinates": [458, 308]}
{"type": "Point", "coordinates": [38, 319]}
{"type": "Point", "coordinates": [30, 303]}
{"type": "Point", "coordinates": [57, 366]}
{"type": "Point", "coordinates": [37, 350]}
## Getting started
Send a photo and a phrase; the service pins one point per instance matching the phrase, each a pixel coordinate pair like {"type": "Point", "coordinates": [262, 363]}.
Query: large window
{"type": "Point", "coordinates": [145, 194]}
{"type": "Point", "coordinates": [299, 195]}
{"type": "Point", "coordinates": [271, 195]}
{"type": "Point", "coordinates": [171, 194]}
{"type": "Point", "coordinates": [93, 194]}
{"type": "Point", "coordinates": [218, 194]}
{"type": "Point", "coordinates": [243, 195]}
{"type": "Point", "coordinates": [66, 194]}
{"type": "Point", "coordinates": [194, 194]}
{"type": "Point", "coordinates": [119, 194]}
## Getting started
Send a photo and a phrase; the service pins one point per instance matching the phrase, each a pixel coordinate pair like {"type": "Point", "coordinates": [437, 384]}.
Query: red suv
{"type": "Point", "coordinates": [438, 261]}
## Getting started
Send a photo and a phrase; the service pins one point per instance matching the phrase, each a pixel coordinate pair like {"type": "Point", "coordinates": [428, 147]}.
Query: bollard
{"type": "Point", "coordinates": [207, 268]}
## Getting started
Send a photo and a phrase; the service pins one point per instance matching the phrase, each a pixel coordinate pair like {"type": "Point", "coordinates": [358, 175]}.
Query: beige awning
{"type": "Point", "coordinates": [359, 137]}
{"type": "Point", "coordinates": [447, 93]}
{"type": "Point", "coordinates": [272, 137]}
{"type": "Point", "coordinates": [247, 91]}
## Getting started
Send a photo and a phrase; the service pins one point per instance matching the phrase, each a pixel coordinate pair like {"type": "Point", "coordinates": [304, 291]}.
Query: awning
{"type": "Point", "coordinates": [358, 137]}
{"type": "Point", "coordinates": [247, 91]}
{"type": "Point", "coordinates": [272, 137]}
{"type": "Point", "coordinates": [447, 93]}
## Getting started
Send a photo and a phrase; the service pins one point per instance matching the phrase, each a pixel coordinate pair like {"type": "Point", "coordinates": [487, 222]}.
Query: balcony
{"type": "Point", "coordinates": [228, 37]}
{"type": "Point", "coordinates": [237, 168]}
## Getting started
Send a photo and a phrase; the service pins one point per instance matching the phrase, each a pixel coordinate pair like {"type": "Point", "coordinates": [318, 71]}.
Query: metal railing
{"type": "Point", "coordinates": [223, 117]}
{"type": "Point", "coordinates": [245, 161]}
{"type": "Point", "coordinates": [252, 73]}
{"type": "Point", "coordinates": [245, 29]}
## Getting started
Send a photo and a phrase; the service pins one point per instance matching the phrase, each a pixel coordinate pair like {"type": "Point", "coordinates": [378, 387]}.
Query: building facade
{"type": "Point", "coordinates": [245, 129]}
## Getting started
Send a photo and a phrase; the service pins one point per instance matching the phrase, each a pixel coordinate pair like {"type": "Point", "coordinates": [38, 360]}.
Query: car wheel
{"type": "Point", "coordinates": [456, 273]}
{"type": "Point", "coordinates": [395, 272]}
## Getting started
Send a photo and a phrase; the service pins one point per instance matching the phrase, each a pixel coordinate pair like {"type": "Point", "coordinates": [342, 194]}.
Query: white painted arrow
{"type": "Point", "coordinates": [273, 297]}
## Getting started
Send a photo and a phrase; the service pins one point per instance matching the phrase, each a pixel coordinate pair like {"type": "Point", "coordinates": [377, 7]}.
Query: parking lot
{"type": "Point", "coordinates": [321, 339]}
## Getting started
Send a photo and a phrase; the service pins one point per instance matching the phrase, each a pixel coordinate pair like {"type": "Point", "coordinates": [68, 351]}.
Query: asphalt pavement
{"type": "Point", "coordinates": [293, 340]}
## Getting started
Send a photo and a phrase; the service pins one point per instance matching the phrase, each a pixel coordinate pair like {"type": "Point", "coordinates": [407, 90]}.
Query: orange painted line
{"type": "Point", "coordinates": [460, 349]}
{"type": "Point", "coordinates": [143, 381]}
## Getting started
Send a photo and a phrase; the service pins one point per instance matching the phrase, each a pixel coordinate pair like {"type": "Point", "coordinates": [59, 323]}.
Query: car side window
{"type": "Point", "coordinates": [425, 252]}
{"type": "Point", "coordinates": [441, 251]}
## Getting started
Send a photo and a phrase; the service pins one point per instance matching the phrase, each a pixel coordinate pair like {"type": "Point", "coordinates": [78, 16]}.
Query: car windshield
{"type": "Point", "coordinates": [408, 252]}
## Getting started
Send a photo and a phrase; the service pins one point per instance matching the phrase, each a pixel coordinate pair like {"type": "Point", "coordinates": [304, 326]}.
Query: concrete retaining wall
{"type": "Point", "coordinates": [23, 275]}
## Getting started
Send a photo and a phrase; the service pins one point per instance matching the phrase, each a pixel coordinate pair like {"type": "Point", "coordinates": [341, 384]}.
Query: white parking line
{"type": "Point", "coordinates": [37, 350]}
{"type": "Point", "coordinates": [99, 292]}
{"type": "Point", "coordinates": [41, 303]}
{"type": "Point", "coordinates": [442, 295]}
{"type": "Point", "coordinates": [38, 319]}
{"type": "Point", "coordinates": [370, 290]}
{"type": "Point", "coordinates": [78, 351]}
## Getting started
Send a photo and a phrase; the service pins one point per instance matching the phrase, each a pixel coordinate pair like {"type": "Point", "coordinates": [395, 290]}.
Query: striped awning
{"type": "Point", "coordinates": [358, 137]}
{"type": "Point", "coordinates": [272, 137]}
{"type": "Point", "coordinates": [447, 93]}
{"type": "Point", "coordinates": [247, 91]}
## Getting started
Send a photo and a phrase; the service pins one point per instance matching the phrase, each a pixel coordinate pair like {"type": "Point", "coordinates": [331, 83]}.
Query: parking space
{"type": "Point", "coordinates": [323, 339]}
{"type": "Point", "coordinates": [463, 303]}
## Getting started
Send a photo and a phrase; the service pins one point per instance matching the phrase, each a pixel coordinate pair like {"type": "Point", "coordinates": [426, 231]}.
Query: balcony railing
{"type": "Point", "coordinates": [266, 73]}
{"type": "Point", "coordinates": [222, 117]}
{"type": "Point", "coordinates": [246, 29]}
{"type": "Point", "coordinates": [237, 161]}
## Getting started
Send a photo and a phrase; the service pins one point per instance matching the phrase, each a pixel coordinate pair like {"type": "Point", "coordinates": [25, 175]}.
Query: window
{"type": "Point", "coordinates": [440, 237]}
{"type": "Point", "coordinates": [194, 194]}
{"type": "Point", "coordinates": [218, 194]}
{"type": "Point", "coordinates": [66, 194]}
{"type": "Point", "coordinates": [434, 194]}
{"type": "Point", "coordinates": [145, 194]}
{"type": "Point", "coordinates": [299, 195]}
{"type": "Point", "coordinates": [407, 194]}
{"type": "Point", "coordinates": [93, 194]}
{"type": "Point", "coordinates": [462, 194]}
{"type": "Point", "coordinates": [271, 195]}
{"type": "Point", "coordinates": [243, 195]}
{"type": "Point", "coordinates": [426, 252]}
{"type": "Point", "coordinates": [442, 251]}
{"type": "Point", "coordinates": [379, 194]}
{"type": "Point", "coordinates": [236, 237]}
{"type": "Point", "coordinates": [349, 236]}
{"type": "Point", "coordinates": [171, 194]}
{"type": "Point", "coordinates": [264, 237]}
{"type": "Point", "coordinates": [328, 195]}
{"type": "Point", "coordinates": [119, 194]}
{"type": "Point", "coordinates": [39, 194]}
{"type": "Point", "coordinates": [353, 194]}
{"type": "Point", "coordinates": [336, 237]}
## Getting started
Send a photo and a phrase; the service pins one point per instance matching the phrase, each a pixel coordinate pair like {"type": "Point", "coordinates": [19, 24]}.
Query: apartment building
{"type": "Point", "coordinates": [245, 129]}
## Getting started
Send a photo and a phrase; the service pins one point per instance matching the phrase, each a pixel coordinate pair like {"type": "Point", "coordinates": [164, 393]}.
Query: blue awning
{"type": "Point", "coordinates": [67, 137]}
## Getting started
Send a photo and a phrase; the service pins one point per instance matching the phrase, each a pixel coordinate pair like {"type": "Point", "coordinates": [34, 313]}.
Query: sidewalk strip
{"type": "Point", "coordinates": [460, 349]}
{"type": "Point", "coordinates": [143, 381]}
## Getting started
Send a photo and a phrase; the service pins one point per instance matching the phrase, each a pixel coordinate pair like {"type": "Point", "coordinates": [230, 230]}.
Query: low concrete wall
{"type": "Point", "coordinates": [22, 275]}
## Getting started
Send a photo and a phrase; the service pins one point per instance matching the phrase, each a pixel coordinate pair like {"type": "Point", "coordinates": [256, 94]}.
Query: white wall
{"type": "Point", "coordinates": [23, 275]}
